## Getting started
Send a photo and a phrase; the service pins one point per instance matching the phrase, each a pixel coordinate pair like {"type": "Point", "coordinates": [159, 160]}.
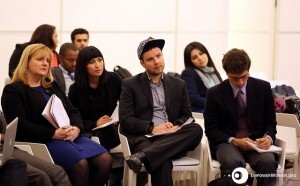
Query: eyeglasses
{"type": "Point", "coordinates": [243, 78]}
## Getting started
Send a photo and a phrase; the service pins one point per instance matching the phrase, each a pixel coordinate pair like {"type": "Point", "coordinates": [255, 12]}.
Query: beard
{"type": "Point", "coordinates": [155, 72]}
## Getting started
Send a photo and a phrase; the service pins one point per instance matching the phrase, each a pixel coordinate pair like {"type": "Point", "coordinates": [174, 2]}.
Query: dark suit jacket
{"type": "Point", "coordinates": [220, 117]}
{"type": "Point", "coordinates": [59, 77]}
{"type": "Point", "coordinates": [196, 89]}
{"type": "Point", "coordinates": [136, 103]}
{"type": "Point", "coordinates": [20, 100]}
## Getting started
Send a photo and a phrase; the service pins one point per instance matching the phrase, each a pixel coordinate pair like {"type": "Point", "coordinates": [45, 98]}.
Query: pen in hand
{"type": "Point", "coordinates": [263, 143]}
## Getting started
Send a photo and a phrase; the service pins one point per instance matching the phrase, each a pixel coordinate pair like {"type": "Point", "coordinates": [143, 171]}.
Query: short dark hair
{"type": "Point", "coordinates": [236, 61]}
{"type": "Point", "coordinates": [84, 57]}
{"type": "Point", "coordinates": [78, 31]}
{"type": "Point", "coordinates": [67, 46]}
{"type": "Point", "coordinates": [43, 34]}
{"type": "Point", "coordinates": [187, 57]}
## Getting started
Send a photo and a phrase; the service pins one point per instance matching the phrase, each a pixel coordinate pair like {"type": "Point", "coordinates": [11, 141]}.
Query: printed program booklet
{"type": "Point", "coordinates": [272, 148]}
{"type": "Point", "coordinates": [188, 121]}
{"type": "Point", "coordinates": [115, 118]}
{"type": "Point", "coordinates": [55, 112]}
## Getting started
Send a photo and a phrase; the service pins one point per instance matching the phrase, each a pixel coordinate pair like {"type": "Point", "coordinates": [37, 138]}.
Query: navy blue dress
{"type": "Point", "coordinates": [81, 148]}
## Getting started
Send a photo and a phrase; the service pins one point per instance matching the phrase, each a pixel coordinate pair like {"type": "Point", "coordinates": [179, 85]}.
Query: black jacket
{"type": "Point", "coordinates": [26, 103]}
{"type": "Point", "coordinates": [15, 58]}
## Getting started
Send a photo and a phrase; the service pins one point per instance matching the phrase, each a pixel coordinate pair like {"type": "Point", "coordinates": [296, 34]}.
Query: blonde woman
{"type": "Point", "coordinates": [86, 162]}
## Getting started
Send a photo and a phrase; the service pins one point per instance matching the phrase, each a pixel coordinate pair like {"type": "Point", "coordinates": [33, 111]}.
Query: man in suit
{"type": "Point", "coordinates": [152, 103]}
{"type": "Point", "coordinates": [241, 109]}
{"type": "Point", "coordinates": [80, 37]}
{"type": "Point", "coordinates": [64, 73]}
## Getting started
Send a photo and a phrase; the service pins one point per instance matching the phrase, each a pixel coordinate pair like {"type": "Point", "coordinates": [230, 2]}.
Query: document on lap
{"type": "Point", "coordinates": [114, 116]}
{"type": "Point", "coordinates": [272, 148]}
{"type": "Point", "coordinates": [188, 121]}
{"type": "Point", "coordinates": [55, 113]}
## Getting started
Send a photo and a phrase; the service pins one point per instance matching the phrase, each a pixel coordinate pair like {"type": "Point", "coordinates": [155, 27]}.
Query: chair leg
{"type": "Point", "coordinates": [280, 181]}
{"type": "Point", "coordinates": [149, 180]}
{"type": "Point", "coordinates": [295, 165]}
{"type": "Point", "coordinates": [132, 178]}
{"type": "Point", "coordinates": [198, 178]}
{"type": "Point", "coordinates": [125, 175]}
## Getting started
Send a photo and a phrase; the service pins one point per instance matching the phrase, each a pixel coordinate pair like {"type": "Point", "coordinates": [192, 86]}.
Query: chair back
{"type": "Point", "coordinates": [288, 120]}
{"type": "Point", "coordinates": [196, 153]}
{"type": "Point", "coordinates": [210, 160]}
{"type": "Point", "coordinates": [7, 80]}
{"type": "Point", "coordinates": [124, 143]}
{"type": "Point", "coordinates": [197, 115]}
{"type": "Point", "coordinates": [281, 159]}
{"type": "Point", "coordinates": [26, 148]}
{"type": "Point", "coordinates": [95, 139]}
{"type": "Point", "coordinates": [39, 150]}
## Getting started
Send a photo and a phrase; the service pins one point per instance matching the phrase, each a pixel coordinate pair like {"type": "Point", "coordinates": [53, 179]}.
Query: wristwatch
{"type": "Point", "coordinates": [150, 129]}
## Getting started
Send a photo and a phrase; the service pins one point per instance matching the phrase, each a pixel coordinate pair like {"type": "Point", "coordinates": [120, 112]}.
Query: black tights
{"type": "Point", "coordinates": [91, 171]}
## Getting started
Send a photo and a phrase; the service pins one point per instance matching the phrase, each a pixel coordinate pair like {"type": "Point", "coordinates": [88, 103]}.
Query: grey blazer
{"type": "Point", "coordinates": [59, 78]}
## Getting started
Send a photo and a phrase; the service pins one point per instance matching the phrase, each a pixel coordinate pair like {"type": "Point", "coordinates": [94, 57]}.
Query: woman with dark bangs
{"type": "Point", "coordinates": [96, 93]}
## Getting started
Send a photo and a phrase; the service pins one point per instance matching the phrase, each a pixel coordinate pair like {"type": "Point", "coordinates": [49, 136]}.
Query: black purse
{"type": "Point", "coordinates": [293, 106]}
{"type": "Point", "coordinates": [122, 72]}
{"type": "Point", "coordinates": [108, 136]}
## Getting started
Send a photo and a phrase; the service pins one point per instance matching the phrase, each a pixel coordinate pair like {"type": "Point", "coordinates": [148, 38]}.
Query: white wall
{"type": "Point", "coordinates": [251, 27]}
{"type": "Point", "coordinates": [116, 28]}
{"type": "Point", "coordinates": [288, 34]}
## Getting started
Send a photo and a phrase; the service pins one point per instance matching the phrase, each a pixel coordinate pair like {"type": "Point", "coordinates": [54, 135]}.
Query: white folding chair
{"type": "Point", "coordinates": [200, 120]}
{"type": "Point", "coordinates": [37, 149]}
{"type": "Point", "coordinates": [116, 149]}
{"type": "Point", "coordinates": [215, 171]}
{"type": "Point", "coordinates": [197, 115]}
{"type": "Point", "coordinates": [292, 151]}
{"type": "Point", "coordinates": [95, 139]}
{"type": "Point", "coordinates": [26, 148]}
{"type": "Point", "coordinates": [7, 80]}
{"type": "Point", "coordinates": [191, 162]}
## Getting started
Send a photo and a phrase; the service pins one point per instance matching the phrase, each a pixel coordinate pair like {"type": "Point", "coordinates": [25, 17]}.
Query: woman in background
{"type": "Point", "coordinates": [85, 161]}
{"type": "Point", "coordinates": [45, 34]}
{"type": "Point", "coordinates": [96, 93]}
{"type": "Point", "coordinates": [200, 74]}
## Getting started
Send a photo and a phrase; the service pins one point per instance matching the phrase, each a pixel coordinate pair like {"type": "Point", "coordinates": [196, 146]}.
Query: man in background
{"type": "Point", "coordinates": [80, 37]}
{"type": "Point", "coordinates": [64, 73]}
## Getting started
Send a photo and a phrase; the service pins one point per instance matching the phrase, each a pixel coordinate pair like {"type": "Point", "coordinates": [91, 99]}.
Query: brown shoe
{"type": "Point", "coordinates": [288, 164]}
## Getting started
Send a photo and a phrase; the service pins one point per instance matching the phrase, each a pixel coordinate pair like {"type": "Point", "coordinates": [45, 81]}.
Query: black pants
{"type": "Point", "coordinates": [13, 173]}
{"type": "Point", "coordinates": [161, 150]}
{"type": "Point", "coordinates": [231, 157]}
